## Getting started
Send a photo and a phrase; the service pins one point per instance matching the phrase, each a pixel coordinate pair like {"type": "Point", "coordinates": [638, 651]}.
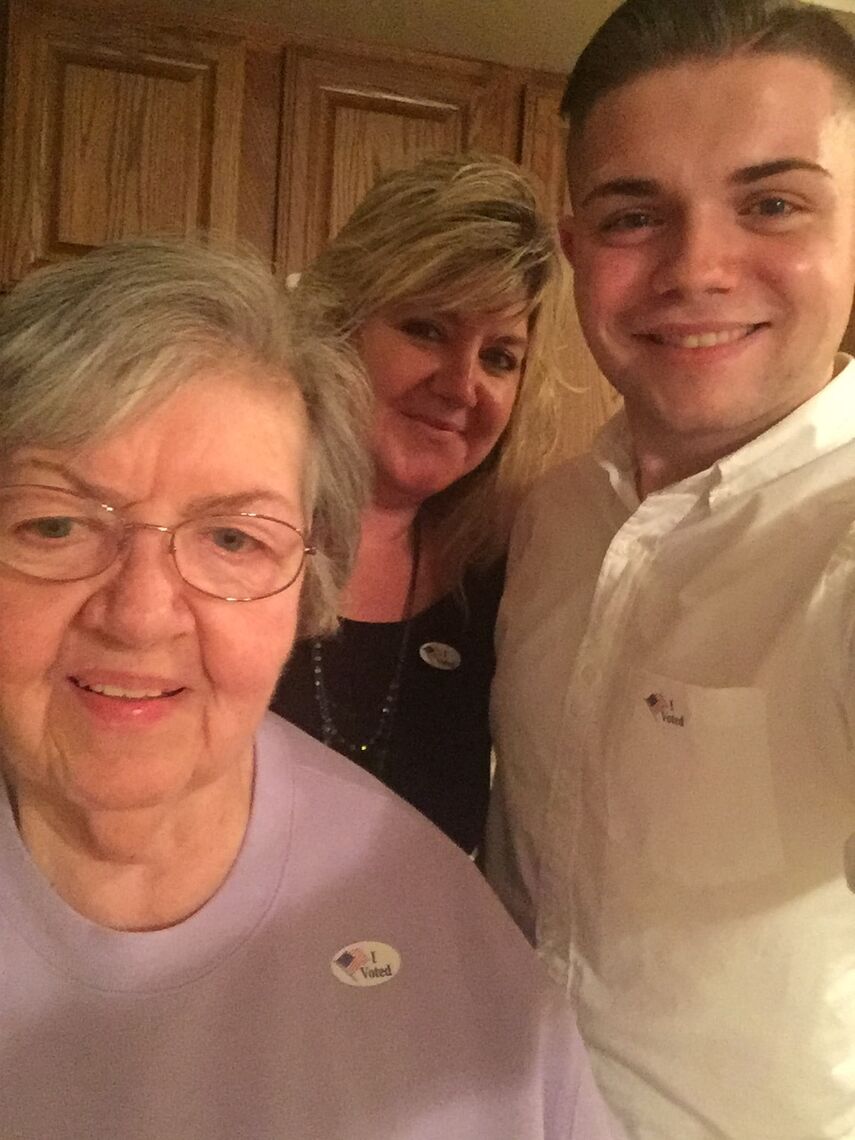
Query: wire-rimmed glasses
{"type": "Point", "coordinates": [59, 536]}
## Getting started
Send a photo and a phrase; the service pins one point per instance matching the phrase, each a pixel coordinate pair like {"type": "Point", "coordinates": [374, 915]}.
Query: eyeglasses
{"type": "Point", "coordinates": [60, 536]}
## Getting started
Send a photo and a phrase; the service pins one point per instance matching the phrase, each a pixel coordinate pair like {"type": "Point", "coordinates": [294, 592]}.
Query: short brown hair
{"type": "Point", "coordinates": [647, 35]}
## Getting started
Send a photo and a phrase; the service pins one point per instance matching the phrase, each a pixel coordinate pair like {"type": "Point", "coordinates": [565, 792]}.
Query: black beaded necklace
{"type": "Point", "coordinates": [370, 753]}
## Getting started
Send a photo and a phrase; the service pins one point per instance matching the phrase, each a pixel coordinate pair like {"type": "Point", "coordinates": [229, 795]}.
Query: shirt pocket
{"type": "Point", "coordinates": [689, 782]}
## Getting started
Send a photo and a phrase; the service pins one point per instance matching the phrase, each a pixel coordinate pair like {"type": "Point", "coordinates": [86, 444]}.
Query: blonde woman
{"type": "Point", "coordinates": [448, 282]}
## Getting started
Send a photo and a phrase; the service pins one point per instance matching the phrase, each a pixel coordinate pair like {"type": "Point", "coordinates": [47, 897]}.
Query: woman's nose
{"type": "Point", "coordinates": [142, 601]}
{"type": "Point", "coordinates": [457, 377]}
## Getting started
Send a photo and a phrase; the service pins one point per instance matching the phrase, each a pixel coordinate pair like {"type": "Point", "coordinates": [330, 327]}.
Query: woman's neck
{"type": "Point", "coordinates": [379, 585]}
{"type": "Point", "coordinates": [145, 868]}
{"type": "Point", "coordinates": [387, 527]}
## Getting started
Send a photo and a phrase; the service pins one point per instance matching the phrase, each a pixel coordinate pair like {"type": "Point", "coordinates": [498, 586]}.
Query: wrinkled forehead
{"type": "Point", "coordinates": [220, 432]}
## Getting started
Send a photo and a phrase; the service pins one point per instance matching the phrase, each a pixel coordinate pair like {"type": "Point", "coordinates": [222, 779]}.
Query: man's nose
{"type": "Point", "coordinates": [699, 256]}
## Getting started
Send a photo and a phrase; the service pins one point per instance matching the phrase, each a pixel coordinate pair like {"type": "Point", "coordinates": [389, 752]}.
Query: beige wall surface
{"type": "Point", "coordinates": [547, 34]}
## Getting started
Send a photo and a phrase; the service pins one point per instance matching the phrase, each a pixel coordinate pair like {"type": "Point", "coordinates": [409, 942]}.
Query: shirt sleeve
{"type": "Point", "coordinates": [508, 868]}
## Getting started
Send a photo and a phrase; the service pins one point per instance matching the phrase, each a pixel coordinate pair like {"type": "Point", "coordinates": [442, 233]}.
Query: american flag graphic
{"type": "Point", "coordinates": [352, 960]}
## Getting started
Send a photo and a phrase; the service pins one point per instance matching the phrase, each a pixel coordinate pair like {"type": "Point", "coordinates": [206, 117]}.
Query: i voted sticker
{"type": "Point", "coordinates": [439, 655]}
{"type": "Point", "coordinates": [366, 964]}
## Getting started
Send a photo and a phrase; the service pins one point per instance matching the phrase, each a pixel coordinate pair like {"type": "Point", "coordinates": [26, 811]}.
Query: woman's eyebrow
{"type": "Point", "coordinates": [224, 504]}
{"type": "Point", "coordinates": [239, 501]}
{"type": "Point", "coordinates": [76, 482]}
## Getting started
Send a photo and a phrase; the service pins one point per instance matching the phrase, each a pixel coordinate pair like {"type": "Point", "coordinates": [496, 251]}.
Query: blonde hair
{"type": "Point", "coordinates": [89, 344]}
{"type": "Point", "coordinates": [465, 233]}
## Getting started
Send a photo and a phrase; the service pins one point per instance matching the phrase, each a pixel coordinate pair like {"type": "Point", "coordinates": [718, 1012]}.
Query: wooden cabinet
{"type": "Point", "coordinates": [543, 137]}
{"type": "Point", "coordinates": [121, 121]}
{"type": "Point", "coordinates": [849, 340]}
{"type": "Point", "coordinates": [112, 129]}
{"type": "Point", "coordinates": [543, 147]}
{"type": "Point", "coordinates": [352, 116]}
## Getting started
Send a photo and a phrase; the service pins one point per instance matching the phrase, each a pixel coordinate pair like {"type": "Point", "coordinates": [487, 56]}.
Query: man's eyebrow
{"type": "Point", "coordinates": [649, 188]}
{"type": "Point", "coordinates": [763, 170]}
{"type": "Point", "coordinates": [624, 188]}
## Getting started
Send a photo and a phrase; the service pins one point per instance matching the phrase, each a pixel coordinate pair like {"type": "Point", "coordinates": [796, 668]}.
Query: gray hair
{"type": "Point", "coordinates": [465, 233]}
{"type": "Point", "coordinates": [646, 35]}
{"type": "Point", "coordinates": [92, 343]}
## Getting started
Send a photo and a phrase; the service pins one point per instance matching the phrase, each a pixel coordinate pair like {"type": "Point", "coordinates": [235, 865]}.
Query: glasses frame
{"type": "Point", "coordinates": [307, 549]}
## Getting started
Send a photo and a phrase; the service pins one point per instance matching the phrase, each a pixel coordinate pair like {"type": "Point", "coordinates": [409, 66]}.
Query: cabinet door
{"type": "Point", "coordinates": [543, 140]}
{"type": "Point", "coordinates": [849, 340]}
{"type": "Point", "coordinates": [114, 129]}
{"type": "Point", "coordinates": [350, 118]}
{"type": "Point", "coordinates": [590, 400]}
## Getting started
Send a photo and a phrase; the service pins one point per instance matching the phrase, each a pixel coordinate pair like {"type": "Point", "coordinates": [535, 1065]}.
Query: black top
{"type": "Point", "coordinates": [439, 753]}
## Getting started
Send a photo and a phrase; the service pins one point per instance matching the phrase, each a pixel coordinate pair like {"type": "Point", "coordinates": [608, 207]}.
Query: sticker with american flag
{"type": "Point", "coordinates": [366, 963]}
{"type": "Point", "coordinates": [663, 710]}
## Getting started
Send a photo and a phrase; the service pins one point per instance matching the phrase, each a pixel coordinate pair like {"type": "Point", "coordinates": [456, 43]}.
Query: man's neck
{"type": "Point", "coordinates": [665, 455]}
{"type": "Point", "coordinates": [661, 463]}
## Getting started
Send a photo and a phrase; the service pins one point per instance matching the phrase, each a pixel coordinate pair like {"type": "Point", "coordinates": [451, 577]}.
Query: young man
{"type": "Point", "coordinates": [674, 820]}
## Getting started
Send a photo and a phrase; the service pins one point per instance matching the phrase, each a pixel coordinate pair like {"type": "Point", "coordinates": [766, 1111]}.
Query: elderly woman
{"type": "Point", "coordinates": [448, 281]}
{"type": "Point", "coordinates": [192, 890]}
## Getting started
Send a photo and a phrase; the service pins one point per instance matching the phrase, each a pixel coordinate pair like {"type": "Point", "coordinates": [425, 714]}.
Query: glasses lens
{"type": "Point", "coordinates": [53, 534]}
{"type": "Point", "coordinates": [238, 556]}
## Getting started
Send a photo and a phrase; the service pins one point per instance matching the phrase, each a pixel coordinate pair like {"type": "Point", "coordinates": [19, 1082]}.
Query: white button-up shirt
{"type": "Point", "coordinates": [674, 816]}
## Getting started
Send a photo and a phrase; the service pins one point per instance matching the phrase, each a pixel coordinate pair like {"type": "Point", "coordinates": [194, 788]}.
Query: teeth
{"type": "Point", "coordinates": [706, 340]}
{"type": "Point", "coordinates": [128, 694]}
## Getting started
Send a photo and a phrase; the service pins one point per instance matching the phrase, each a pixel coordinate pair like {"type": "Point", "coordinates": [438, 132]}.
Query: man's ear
{"type": "Point", "coordinates": [565, 235]}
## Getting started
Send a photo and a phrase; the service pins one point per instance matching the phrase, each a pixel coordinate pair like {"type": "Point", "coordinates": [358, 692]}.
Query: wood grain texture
{"type": "Point", "coordinates": [124, 156]}
{"type": "Point", "coordinates": [113, 129]}
{"type": "Point", "coordinates": [351, 118]}
{"type": "Point", "coordinates": [543, 142]}
{"type": "Point", "coordinates": [258, 189]}
{"type": "Point", "coordinates": [4, 34]}
{"type": "Point", "coordinates": [589, 400]}
{"type": "Point", "coordinates": [370, 136]}
{"type": "Point", "coordinates": [849, 340]}
{"type": "Point", "coordinates": [131, 118]}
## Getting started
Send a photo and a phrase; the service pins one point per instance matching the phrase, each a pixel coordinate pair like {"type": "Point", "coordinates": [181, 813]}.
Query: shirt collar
{"type": "Point", "coordinates": [817, 427]}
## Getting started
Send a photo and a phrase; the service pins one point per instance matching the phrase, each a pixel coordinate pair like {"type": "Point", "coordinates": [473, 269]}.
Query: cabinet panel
{"type": "Point", "coordinates": [543, 148]}
{"type": "Point", "coordinates": [368, 136]}
{"type": "Point", "coordinates": [118, 167]}
{"type": "Point", "coordinates": [259, 167]}
{"type": "Point", "coordinates": [849, 339]}
{"type": "Point", "coordinates": [543, 145]}
{"type": "Point", "coordinates": [350, 119]}
{"type": "Point", "coordinates": [113, 130]}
